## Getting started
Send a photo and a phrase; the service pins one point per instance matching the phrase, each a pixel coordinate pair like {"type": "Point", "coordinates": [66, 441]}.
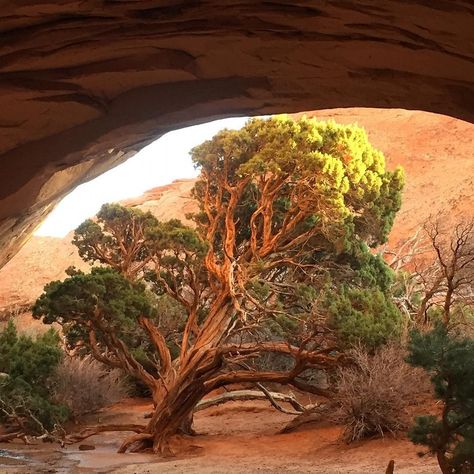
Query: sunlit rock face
{"type": "Point", "coordinates": [86, 84]}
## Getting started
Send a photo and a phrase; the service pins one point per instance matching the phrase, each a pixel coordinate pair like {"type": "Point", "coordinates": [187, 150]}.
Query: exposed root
{"type": "Point", "coordinates": [93, 430]}
{"type": "Point", "coordinates": [135, 439]}
{"type": "Point", "coordinates": [310, 415]}
{"type": "Point", "coordinates": [391, 467]}
{"type": "Point", "coordinates": [161, 446]}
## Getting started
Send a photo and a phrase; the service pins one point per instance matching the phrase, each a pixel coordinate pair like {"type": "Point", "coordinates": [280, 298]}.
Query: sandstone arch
{"type": "Point", "coordinates": [86, 84]}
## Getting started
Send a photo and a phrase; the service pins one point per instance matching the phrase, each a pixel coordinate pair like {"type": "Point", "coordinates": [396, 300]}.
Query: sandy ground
{"type": "Point", "coordinates": [240, 437]}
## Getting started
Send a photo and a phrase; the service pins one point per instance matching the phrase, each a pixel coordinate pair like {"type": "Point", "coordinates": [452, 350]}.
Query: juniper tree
{"type": "Point", "coordinates": [449, 359]}
{"type": "Point", "coordinates": [283, 204]}
{"type": "Point", "coordinates": [26, 368]}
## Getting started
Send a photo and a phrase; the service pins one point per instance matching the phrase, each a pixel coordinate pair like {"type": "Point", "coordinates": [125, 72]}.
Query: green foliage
{"type": "Point", "coordinates": [449, 359]}
{"type": "Point", "coordinates": [363, 316]}
{"type": "Point", "coordinates": [177, 248]}
{"type": "Point", "coordinates": [336, 164]}
{"type": "Point", "coordinates": [101, 297]}
{"type": "Point", "coordinates": [111, 304]}
{"type": "Point", "coordinates": [102, 239]}
{"type": "Point", "coordinates": [371, 270]}
{"type": "Point", "coordinates": [27, 366]}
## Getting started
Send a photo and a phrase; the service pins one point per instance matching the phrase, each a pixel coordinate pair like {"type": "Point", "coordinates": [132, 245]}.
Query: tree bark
{"type": "Point", "coordinates": [173, 416]}
{"type": "Point", "coordinates": [200, 371]}
{"type": "Point", "coordinates": [444, 464]}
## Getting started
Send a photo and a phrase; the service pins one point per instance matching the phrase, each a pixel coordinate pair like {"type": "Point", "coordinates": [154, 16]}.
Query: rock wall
{"type": "Point", "coordinates": [83, 85]}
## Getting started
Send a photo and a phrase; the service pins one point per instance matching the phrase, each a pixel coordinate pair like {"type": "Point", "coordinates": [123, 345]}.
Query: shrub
{"type": "Point", "coordinates": [449, 359]}
{"type": "Point", "coordinates": [85, 385]}
{"type": "Point", "coordinates": [375, 391]}
{"type": "Point", "coordinates": [364, 316]}
{"type": "Point", "coordinates": [27, 366]}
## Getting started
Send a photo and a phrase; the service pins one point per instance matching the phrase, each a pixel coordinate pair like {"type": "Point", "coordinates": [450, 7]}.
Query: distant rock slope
{"type": "Point", "coordinates": [435, 151]}
{"type": "Point", "coordinates": [43, 259]}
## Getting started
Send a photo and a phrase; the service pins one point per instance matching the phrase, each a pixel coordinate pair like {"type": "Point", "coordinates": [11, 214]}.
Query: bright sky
{"type": "Point", "coordinates": [163, 161]}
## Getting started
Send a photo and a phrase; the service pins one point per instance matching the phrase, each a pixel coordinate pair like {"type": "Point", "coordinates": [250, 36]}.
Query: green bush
{"type": "Point", "coordinates": [363, 316]}
{"type": "Point", "coordinates": [27, 366]}
{"type": "Point", "coordinates": [449, 359]}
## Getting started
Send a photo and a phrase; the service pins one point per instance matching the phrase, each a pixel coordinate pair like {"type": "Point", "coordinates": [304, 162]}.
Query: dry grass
{"type": "Point", "coordinates": [84, 385]}
{"type": "Point", "coordinates": [375, 392]}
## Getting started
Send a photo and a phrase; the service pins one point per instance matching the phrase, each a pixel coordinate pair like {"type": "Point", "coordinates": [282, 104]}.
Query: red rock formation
{"type": "Point", "coordinates": [85, 84]}
{"type": "Point", "coordinates": [435, 151]}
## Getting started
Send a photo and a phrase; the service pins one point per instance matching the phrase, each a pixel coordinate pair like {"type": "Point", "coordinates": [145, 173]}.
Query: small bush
{"type": "Point", "coordinates": [26, 368]}
{"type": "Point", "coordinates": [85, 385]}
{"type": "Point", "coordinates": [374, 393]}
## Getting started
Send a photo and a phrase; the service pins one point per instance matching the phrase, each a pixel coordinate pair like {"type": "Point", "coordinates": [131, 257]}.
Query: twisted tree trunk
{"type": "Point", "coordinates": [172, 416]}
{"type": "Point", "coordinates": [184, 386]}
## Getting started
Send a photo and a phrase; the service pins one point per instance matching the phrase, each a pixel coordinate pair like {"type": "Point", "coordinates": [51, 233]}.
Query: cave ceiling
{"type": "Point", "coordinates": [86, 84]}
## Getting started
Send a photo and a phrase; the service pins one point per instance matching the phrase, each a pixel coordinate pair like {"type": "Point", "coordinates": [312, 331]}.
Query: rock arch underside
{"type": "Point", "coordinates": [84, 85]}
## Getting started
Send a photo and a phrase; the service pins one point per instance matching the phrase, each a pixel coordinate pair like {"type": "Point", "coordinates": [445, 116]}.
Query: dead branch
{"type": "Point", "coordinates": [247, 395]}
{"type": "Point", "coordinates": [293, 402]}
{"type": "Point", "coordinates": [312, 414]}
{"type": "Point", "coordinates": [6, 438]}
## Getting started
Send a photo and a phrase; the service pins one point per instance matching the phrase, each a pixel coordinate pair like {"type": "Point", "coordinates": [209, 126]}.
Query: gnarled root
{"type": "Point", "coordinates": [161, 446]}
{"type": "Point", "coordinates": [310, 415]}
{"type": "Point", "coordinates": [139, 440]}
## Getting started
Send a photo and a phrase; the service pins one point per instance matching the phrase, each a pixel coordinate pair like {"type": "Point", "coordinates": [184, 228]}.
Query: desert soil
{"type": "Point", "coordinates": [239, 437]}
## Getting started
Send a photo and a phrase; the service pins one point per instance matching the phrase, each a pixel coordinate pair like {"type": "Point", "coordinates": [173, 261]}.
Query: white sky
{"type": "Point", "coordinates": [159, 163]}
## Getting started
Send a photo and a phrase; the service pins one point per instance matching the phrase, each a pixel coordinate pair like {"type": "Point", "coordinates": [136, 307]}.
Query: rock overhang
{"type": "Point", "coordinates": [87, 84]}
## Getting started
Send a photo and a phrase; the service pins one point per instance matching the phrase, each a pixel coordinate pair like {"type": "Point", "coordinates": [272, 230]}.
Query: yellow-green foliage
{"type": "Point", "coordinates": [336, 162]}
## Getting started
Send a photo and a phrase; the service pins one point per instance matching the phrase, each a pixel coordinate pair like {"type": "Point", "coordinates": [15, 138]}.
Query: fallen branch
{"type": "Point", "coordinates": [246, 395]}
{"type": "Point", "coordinates": [310, 415]}
{"type": "Point", "coordinates": [6, 438]}
{"type": "Point", "coordinates": [292, 401]}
